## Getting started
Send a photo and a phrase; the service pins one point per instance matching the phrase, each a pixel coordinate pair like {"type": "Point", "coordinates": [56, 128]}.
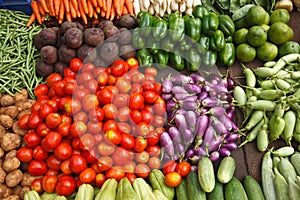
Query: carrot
{"type": "Point", "coordinates": [94, 3]}
{"type": "Point", "coordinates": [103, 13]}
{"type": "Point", "coordinates": [75, 4]}
{"type": "Point", "coordinates": [41, 9]}
{"type": "Point", "coordinates": [117, 6]}
{"type": "Point", "coordinates": [57, 7]}
{"type": "Point", "coordinates": [125, 11]}
{"type": "Point", "coordinates": [98, 9]}
{"type": "Point", "coordinates": [78, 13]}
{"type": "Point", "coordinates": [67, 6]}
{"type": "Point", "coordinates": [129, 6]}
{"type": "Point", "coordinates": [91, 9]}
{"type": "Point", "coordinates": [31, 20]}
{"type": "Point", "coordinates": [82, 13]}
{"type": "Point", "coordinates": [35, 9]}
{"type": "Point", "coordinates": [61, 14]}
{"type": "Point", "coordinates": [72, 10]}
{"type": "Point", "coordinates": [44, 5]}
{"type": "Point", "coordinates": [68, 17]}
{"type": "Point", "coordinates": [122, 3]}
{"type": "Point", "coordinates": [95, 14]}
{"type": "Point", "coordinates": [84, 6]}
{"type": "Point", "coordinates": [113, 13]}
{"type": "Point", "coordinates": [51, 7]}
{"type": "Point", "coordinates": [100, 4]}
{"type": "Point", "coordinates": [104, 5]}
{"type": "Point", "coordinates": [109, 8]}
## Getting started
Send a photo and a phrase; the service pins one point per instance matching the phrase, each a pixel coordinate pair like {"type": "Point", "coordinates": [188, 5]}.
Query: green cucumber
{"type": "Point", "coordinates": [160, 195]}
{"type": "Point", "coordinates": [125, 190]}
{"type": "Point", "coordinates": [217, 193]}
{"type": "Point", "coordinates": [295, 160]}
{"type": "Point", "coordinates": [181, 191]}
{"type": "Point", "coordinates": [281, 186]}
{"type": "Point", "coordinates": [234, 190]}
{"type": "Point", "coordinates": [226, 169]}
{"type": "Point", "coordinates": [194, 189]}
{"type": "Point", "coordinates": [206, 174]}
{"type": "Point", "coordinates": [109, 191]}
{"type": "Point", "coordinates": [253, 189]}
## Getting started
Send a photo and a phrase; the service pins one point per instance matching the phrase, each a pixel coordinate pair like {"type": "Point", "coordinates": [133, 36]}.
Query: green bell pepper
{"type": "Point", "coordinates": [185, 43]}
{"type": "Point", "coordinates": [153, 45]}
{"type": "Point", "coordinates": [167, 44]}
{"type": "Point", "coordinates": [177, 61]}
{"type": "Point", "coordinates": [145, 25]}
{"type": "Point", "coordinates": [137, 41]}
{"type": "Point", "coordinates": [217, 41]}
{"type": "Point", "coordinates": [161, 59]}
{"type": "Point", "coordinates": [227, 55]}
{"type": "Point", "coordinates": [210, 23]}
{"type": "Point", "coordinates": [203, 43]}
{"type": "Point", "coordinates": [209, 58]}
{"type": "Point", "coordinates": [160, 29]}
{"type": "Point", "coordinates": [139, 16]}
{"type": "Point", "coordinates": [226, 25]}
{"type": "Point", "coordinates": [193, 28]}
{"type": "Point", "coordinates": [200, 11]}
{"type": "Point", "coordinates": [193, 59]}
{"type": "Point", "coordinates": [176, 26]}
{"type": "Point", "coordinates": [144, 57]}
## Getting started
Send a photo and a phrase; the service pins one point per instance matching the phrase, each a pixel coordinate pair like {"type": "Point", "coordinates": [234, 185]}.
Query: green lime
{"type": "Point", "coordinates": [267, 52]}
{"type": "Point", "coordinates": [257, 36]}
{"type": "Point", "coordinates": [256, 16]}
{"type": "Point", "coordinates": [245, 53]}
{"type": "Point", "coordinates": [280, 33]}
{"type": "Point", "coordinates": [241, 23]}
{"type": "Point", "coordinates": [280, 15]}
{"type": "Point", "coordinates": [288, 48]}
{"type": "Point", "coordinates": [267, 18]}
{"type": "Point", "coordinates": [266, 27]}
{"type": "Point", "coordinates": [240, 36]}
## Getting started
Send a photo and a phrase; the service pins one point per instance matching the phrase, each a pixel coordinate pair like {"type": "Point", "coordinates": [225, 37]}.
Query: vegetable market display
{"type": "Point", "coordinates": [109, 123]}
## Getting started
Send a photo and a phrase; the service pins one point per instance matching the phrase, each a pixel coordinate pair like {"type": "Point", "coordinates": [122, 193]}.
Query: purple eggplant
{"type": "Point", "coordinates": [213, 77]}
{"type": "Point", "coordinates": [202, 124]}
{"type": "Point", "coordinates": [175, 134]}
{"type": "Point", "coordinates": [224, 152]}
{"type": "Point", "coordinates": [191, 119]}
{"type": "Point", "coordinates": [230, 113]}
{"type": "Point", "coordinates": [171, 105]}
{"type": "Point", "coordinates": [192, 88]}
{"type": "Point", "coordinates": [181, 111]}
{"type": "Point", "coordinates": [217, 111]}
{"type": "Point", "coordinates": [226, 122]}
{"type": "Point", "coordinates": [179, 89]}
{"type": "Point", "coordinates": [197, 78]}
{"type": "Point", "coordinates": [179, 151]}
{"type": "Point", "coordinates": [206, 88]}
{"type": "Point", "coordinates": [188, 137]}
{"type": "Point", "coordinates": [180, 122]}
{"type": "Point", "coordinates": [189, 153]}
{"type": "Point", "coordinates": [234, 126]}
{"type": "Point", "coordinates": [232, 137]}
{"type": "Point", "coordinates": [181, 79]}
{"type": "Point", "coordinates": [194, 168]}
{"type": "Point", "coordinates": [215, 155]}
{"type": "Point", "coordinates": [219, 126]}
{"type": "Point", "coordinates": [166, 143]}
{"type": "Point", "coordinates": [167, 85]}
{"type": "Point", "coordinates": [204, 111]}
{"type": "Point", "coordinates": [191, 98]}
{"type": "Point", "coordinates": [194, 160]}
{"type": "Point", "coordinates": [225, 96]}
{"type": "Point", "coordinates": [230, 146]}
{"type": "Point", "coordinates": [210, 102]}
{"type": "Point", "coordinates": [181, 96]}
{"type": "Point", "coordinates": [218, 88]}
{"type": "Point", "coordinates": [209, 136]}
{"type": "Point", "coordinates": [200, 151]}
{"type": "Point", "coordinates": [230, 83]}
{"type": "Point", "coordinates": [203, 95]}
{"type": "Point", "coordinates": [215, 143]}
{"type": "Point", "coordinates": [167, 96]}
{"type": "Point", "coordinates": [189, 105]}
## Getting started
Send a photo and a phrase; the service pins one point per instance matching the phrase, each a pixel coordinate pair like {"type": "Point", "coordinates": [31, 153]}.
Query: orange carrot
{"type": "Point", "coordinates": [84, 6]}
{"type": "Point", "coordinates": [113, 13]}
{"type": "Point", "coordinates": [100, 4]}
{"type": "Point", "coordinates": [98, 9]}
{"type": "Point", "coordinates": [67, 6]}
{"type": "Point", "coordinates": [41, 9]}
{"type": "Point", "coordinates": [109, 8]}
{"type": "Point", "coordinates": [68, 17]}
{"type": "Point", "coordinates": [73, 12]}
{"type": "Point", "coordinates": [122, 3]}
{"type": "Point", "coordinates": [96, 14]}
{"type": "Point", "coordinates": [125, 11]}
{"type": "Point", "coordinates": [103, 13]}
{"type": "Point", "coordinates": [91, 9]}
{"type": "Point", "coordinates": [61, 14]}
{"type": "Point", "coordinates": [75, 4]}
{"type": "Point", "coordinates": [117, 6]}
{"type": "Point", "coordinates": [104, 5]}
{"type": "Point", "coordinates": [129, 6]}
{"type": "Point", "coordinates": [57, 7]}
{"type": "Point", "coordinates": [31, 20]}
{"type": "Point", "coordinates": [51, 7]}
{"type": "Point", "coordinates": [44, 5]}
{"type": "Point", "coordinates": [94, 3]}
{"type": "Point", "coordinates": [35, 9]}
{"type": "Point", "coordinates": [82, 13]}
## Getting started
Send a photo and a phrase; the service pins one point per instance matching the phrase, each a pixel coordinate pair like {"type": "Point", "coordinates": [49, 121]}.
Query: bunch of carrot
{"type": "Point", "coordinates": [84, 9]}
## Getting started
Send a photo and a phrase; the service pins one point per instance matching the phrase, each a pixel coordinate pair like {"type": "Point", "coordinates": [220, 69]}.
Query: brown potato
{"type": "Point", "coordinates": [6, 121]}
{"type": "Point", "coordinates": [27, 179]}
{"type": "Point", "coordinates": [18, 130]}
{"type": "Point", "coordinates": [11, 164]}
{"type": "Point", "coordinates": [7, 100]}
{"type": "Point", "coordinates": [10, 141]}
{"type": "Point", "coordinates": [4, 191]}
{"type": "Point", "coordinates": [11, 111]}
{"type": "Point", "coordinates": [23, 191]}
{"type": "Point", "coordinates": [23, 95]}
{"type": "Point", "coordinates": [12, 197]}
{"type": "Point", "coordinates": [24, 104]}
{"type": "Point", "coordinates": [2, 175]}
{"type": "Point", "coordinates": [13, 178]}
{"type": "Point", "coordinates": [28, 111]}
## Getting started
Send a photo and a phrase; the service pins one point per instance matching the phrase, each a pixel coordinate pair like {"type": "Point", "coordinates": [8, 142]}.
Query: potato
{"type": "Point", "coordinates": [105, 23]}
{"type": "Point", "coordinates": [7, 100]}
{"type": "Point", "coordinates": [6, 121]}
{"type": "Point", "coordinates": [111, 33]}
{"type": "Point", "coordinates": [4, 191]}
{"type": "Point", "coordinates": [27, 179]}
{"type": "Point", "coordinates": [1, 154]}
{"type": "Point", "coordinates": [28, 111]}
{"type": "Point", "coordinates": [49, 54]}
{"type": "Point", "coordinates": [12, 197]}
{"type": "Point", "coordinates": [16, 129]}
{"type": "Point", "coordinates": [87, 53]}
{"type": "Point", "coordinates": [93, 36]}
{"type": "Point", "coordinates": [10, 141]}
{"type": "Point", "coordinates": [128, 21]}
{"type": "Point", "coordinates": [23, 191]}
{"type": "Point", "coordinates": [2, 131]}
{"type": "Point", "coordinates": [21, 95]}
{"type": "Point", "coordinates": [127, 51]}
{"type": "Point", "coordinates": [73, 37]}
{"type": "Point", "coordinates": [11, 154]}
{"type": "Point", "coordinates": [124, 36]}
{"type": "Point", "coordinates": [2, 175]}
{"type": "Point", "coordinates": [108, 51]}
{"type": "Point", "coordinates": [13, 178]}
{"type": "Point", "coordinates": [11, 164]}
{"type": "Point", "coordinates": [24, 104]}
{"type": "Point", "coordinates": [66, 54]}
{"type": "Point", "coordinates": [10, 110]}
{"type": "Point", "coordinates": [99, 62]}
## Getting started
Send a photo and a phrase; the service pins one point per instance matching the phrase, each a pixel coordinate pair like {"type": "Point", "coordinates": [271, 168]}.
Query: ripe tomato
{"type": "Point", "coordinates": [53, 120]}
{"type": "Point", "coordinates": [183, 168]}
{"type": "Point", "coordinates": [69, 87]}
{"type": "Point", "coordinates": [34, 120]}
{"type": "Point", "coordinates": [123, 114]}
{"type": "Point", "coordinates": [80, 92]}
{"type": "Point", "coordinates": [110, 111]}
{"type": "Point", "coordinates": [132, 63]}
{"type": "Point", "coordinates": [116, 173]}
{"type": "Point", "coordinates": [84, 77]}
{"type": "Point", "coordinates": [120, 100]}
{"type": "Point", "coordinates": [54, 104]}
{"type": "Point", "coordinates": [143, 129]}
{"type": "Point", "coordinates": [158, 121]}
{"type": "Point", "coordinates": [53, 78]}
{"type": "Point", "coordinates": [142, 157]}
{"type": "Point", "coordinates": [148, 86]}
{"type": "Point", "coordinates": [124, 128]}
{"type": "Point", "coordinates": [25, 154]}
{"type": "Point", "coordinates": [142, 170]}
{"type": "Point", "coordinates": [169, 167]}
{"type": "Point", "coordinates": [137, 77]}
{"type": "Point", "coordinates": [131, 177]}
{"type": "Point", "coordinates": [121, 156]}
{"type": "Point", "coordinates": [64, 129]}
{"type": "Point", "coordinates": [88, 67]}
{"type": "Point", "coordinates": [136, 88]}
{"type": "Point", "coordinates": [86, 142]}
{"type": "Point", "coordinates": [65, 118]}
{"type": "Point", "coordinates": [104, 163]}
{"type": "Point", "coordinates": [105, 96]}
{"type": "Point", "coordinates": [123, 85]}
{"type": "Point", "coordinates": [160, 106]}
{"type": "Point", "coordinates": [153, 150]}
{"type": "Point", "coordinates": [63, 151]}
{"type": "Point", "coordinates": [173, 179]}
{"type": "Point", "coordinates": [45, 110]}
{"type": "Point", "coordinates": [140, 144]}
{"type": "Point", "coordinates": [77, 163]}
{"type": "Point", "coordinates": [35, 107]}
{"type": "Point", "coordinates": [37, 167]}
{"type": "Point", "coordinates": [158, 88]}
{"type": "Point", "coordinates": [90, 156]}
{"type": "Point", "coordinates": [69, 73]}
{"type": "Point", "coordinates": [78, 128]}
{"type": "Point", "coordinates": [105, 149]}
{"type": "Point", "coordinates": [99, 180]}
{"type": "Point", "coordinates": [102, 78]}
{"type": "Point", "coordinates": [127, 141]}
{"type": "Point", "coordinates": [72, 106]}
{"type": "Point", "coordinates": [87, 175]}
{"type": "Point", "coordinates": [151, 71]}
{"type": "Point", "coordinates": [114, 136]}
{"type": "Point", "coordinates": [65, 167]}
{"type": "Point", "coordinates": [53, 162]}
{"type": "Point", "coordinates": [147, 116]}
{"type": "Point", "coordinates": [94, 127]}
{"type": "Point", "coordinates": [81, 116]}
{"type": "Point", "coordinates": [150, 97]}
{"type": "Point", "coordinates": [110, 125]}
{"type": "Point", "coordinates": [129, 166]}
{"type": "Point", "coordinates": [52, 172]}
{"type": "Point", "coordinates": [66, 185]}
{"type": "Point", "coordinates": [59, 88]}
{"type": "Point", "coordinates": [152, 138]}
{"type": "Point", "coordinates": [75, 64]}
{"type": "Point", "coordinates": [37, 185]}
{"type": "Point", "coordinates": [136, 116]}
{"type": "Point", "coordinates": [154, 162]}
{"type": "Point", "coordinates": [136, 101]}
{"type": "Point", "coordinates": [39, 153]}
{"type": "Point", "coordinates": [49, 183]}
{"type": "Point", "coordinates": [90, 102]}
{"type": "Point", "coordinates": [32, 139]}
{"type": "Point", "coordinates": [41, 89]}
{"type": "Point", "coordinates": [118, 68]}
{"type": "Point", "coordinates": [23, 121]}
{"type": "Point", "coordinates": [52, 140]}
{"type": "Point", "coordinates": [96, 114]}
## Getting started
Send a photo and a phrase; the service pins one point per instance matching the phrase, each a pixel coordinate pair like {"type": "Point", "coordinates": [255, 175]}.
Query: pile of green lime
{"type": "Point", "coordinates": [264, 35]}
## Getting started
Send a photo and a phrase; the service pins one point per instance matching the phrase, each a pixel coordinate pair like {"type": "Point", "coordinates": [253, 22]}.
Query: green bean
{"type": "Point", "coordinates": [255, 118]}
{"type": "Point", "coordinates": [283, 151]}
{"type": "Point", "coordinates": [267, 84]}
{"type": "Point", "coordinates": [265, 105]}
{"type": "Point", "coordinates": [262, 140]}
{"type": "Point", "coordinates": [269, 64]}
{"type": "Point", "coordinates": [282, 84]}
{"type": "Point", "coordinates": [295, 75]}
{"type": "Point", "coordinates": [239, 95]}
{"type": "Point", "coordinates": [290, 122]}
{"type": "Point", "coordinates": [253, 133]}
{"type": "Point", "coordinates": [267, 177]}
{"type": "Point", "coordinates": [263, 72]}
{"type": "Point", "coordinates": [284, 60]}
{"type": "Point", "coordinates": [281, 186]}
{"type": "Point", "coordinates": [248, 110]}
{"type": "Point", "coordinates": [276, 127]}
{"type": "Point", "coordinates": [250, 77]}
{"type": "Point", "coordinates": [271, 94]}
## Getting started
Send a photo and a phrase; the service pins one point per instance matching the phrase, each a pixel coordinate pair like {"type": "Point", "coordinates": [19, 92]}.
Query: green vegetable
{"type": "Point", "coordinates": [206, 175]}
{"type": "Point", "coordinates": [125, 191]}
{"type": "Point", "coordinates": [193, 59]}
{"type": "Point", "coordinates": [176, 26]}
{"type": "Point", "coordinates": [227, 54]}
{"type": "Point", "coordinates": [157, 180]}
{"type": "Point", "coordinates": [267, 177]}
{"type": "Point", "coordinates": [177, 61]}
{"type": "Point", "coordinates": [193, 187]}
{"type": "Point", "coordinates": [295, 160]}
{"type": "Point", "coordinates": [239, 95]}
{"type": "Point", "coordinates": [226, 169]}
{"type": "Point", "coordinates": [144, 57]}
{"type": "Point", "coordinates": [253, 189]}
{"type": "Point", "coordinates": [287, 170]}
{"type": "Point", "coordinates": [153, 46]}
{"type": "Point", "coordinates": [48, 196]}
{"type": "Point", "coordinates": [32, 195]}
{"type": "Point", "coordinates": [160, 29]}
{"type": "Point", "coordinates": [262, 140]}
{"type": "Point", "coordinates": [161, 58]}
{"type": "Point", "coordinates": [217, 41]}
{"type": "Point", "coordinates": [281, 186]}
{"type": "Point", "coordinates": [108, 190]}
{"type": "Point", "coordinates": [209, 58]}
{"type": "Point", "coordinates": [60, 197]}
{"type": "Point", "coordinates": [210, 23]}
{"type": "Point", "coordinates": [226, 25]}
{"type": "Point", "coordinates": [200, 11]}
{"type": "Point", "coordinates": [145, 24]}
{"type": "Point", "coordinates": [276, 125]}
{"type": "Point", "coordinates": [203, 43]}
{"type": "Point", "coordinates": [294, 189]}
{"type": "Point", "coordinates": [159, 195]}
{"type": "Point", "coordinates": [193, 28]}
{"type": "Point", "coordinates": [137, 41]}
{"type": "Point", "coordinates": [217, 193]}
{"type": "Point", "coordinates": [284, 151]}
{"type": "Point", "coordinates": [143, 190]}
{"type": "Point", "coordinates": [167, 44]}
{"type": "Point", "coordinates": [181, 190]}
{"type": "Point", "coordinates": [235, 190]}
{"type": "Point", "coordinates": [85, 192]}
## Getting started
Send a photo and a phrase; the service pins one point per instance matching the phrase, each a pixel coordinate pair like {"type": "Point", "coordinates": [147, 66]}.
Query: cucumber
{"type": "Point", "coordinates": [226, 169]}
{"type": "Point", "coordinates": [48, 196]}
{"type": "Point", "coordinates": [281, 186]}
{"type": "Point", "coordinates": [253, 189]}
{"type": "Point", "coordinates": [194, 189]}
{"type": "Point", "coordinates": [217, 193]}
{"type": "Point", "coordinates": [85, 192]}
{"type": "Point", "coordinates": [125, 190]}
{"type": "Point", "coordinates": [160, 195]}
{"type": "Point", "coordinates": [295, 160]}
{"type": "Point", "coordinates": [181, 191]}
{"type": "Point", "coordinates": [234, 190]}
{"type": "Point", "coordinates": [108, 191]}
{"type": "Point", "coordinates": [206, 174]}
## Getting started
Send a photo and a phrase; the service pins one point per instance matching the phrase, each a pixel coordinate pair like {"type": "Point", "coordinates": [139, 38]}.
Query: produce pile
{"type": "Point", "coordinates": [135, 99]}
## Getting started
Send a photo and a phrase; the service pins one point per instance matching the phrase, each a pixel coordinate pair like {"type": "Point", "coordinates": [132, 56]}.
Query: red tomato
{"type": "Point", "coordinates": [80, 92]}
{"type": "Point", "coordinates": [110, 125]}
{"type": "Point", "coordinates": [52, 140]}
{"type": "Point", "coordinates": [104, 163]}
{"type": "Point", "coordinates": [23, 121]}
{"type": "Point", "coordinates": [127, 141]}
{"type": "Point", "coordinates": [69, 88]}
{"type": "Point", "coordinates": [97, 71]}
{"type": "Point", "coordinates": [86, 142]}
{"type": "Point", "coordinates": [152, 138]}
{"type": "Point", "coordinates": [90, 156]}
{"type": "Point", "coordinates": [34, 120]}
{"type": "Point", "coordinates": [114, 136]}
{"type": "Point", "coordinates": [110, 111]}
{"type": "Point", "coordinates": [96, 115]}
{"type": "Point", "coordinates": [142, 170]}
{"type": "Point", "coordinates": [149, 86]}
{"type": "Point", "coordinates": [63, 129]}
{"type": "Point", "coordinates": [140, 144]}
{"type": "Point", "coordinates": [87, 176]}
{"type": "Point", "coordinates": [53, 120]}
{"type": "Point", "coordinates": [151, 71]}
{"type": "Point", "coordinates": [183, 168]}
{"type": "Point", "coordinates": [75, 64]}
{"type": "Point", "coordinates": [65, 167]}
{"type": "Point", "coordinates": [143, 129]}
{"type": "Point", "coordinates": [105, 149]}
{"type": "Point", "coordinates": [53, 162]}
{"type": "Point", "coordinates": [66, 185]}
{"type": "Point", "coordinates": [32, 139]}
{"type": "Point", "coordinates": [153, 150]}
{"type": "Point", "coordinates": [37, 185]}
{"type": "Point", "coordinates": [131, 177]}
{"type": "Point", "coordinates": [53, 78]}
{"type": "Point", "coordinates": [136, 116]}
{"type": "Point", "coordinates": [116, 173]}
{"type": "Point", "coordinates": [90, 102]}
{"type": "Point", "coordinates": [66, 118]}
{"type": "Point", "coordinates": [158, 121]}
{"type": "Point", "coordinates": [37, 167]}
{"type": "Point", "coordinates": [124, 128]}
{"type": "Point", "coordinates": [105, 96]}
{"type": "Point", "coordinates": [137, 77]}
{"type": "Point", "coordinates": [25, 154]}
{"type": "Point", "coordinates": [78, 128]}
{"type": "Point", "coordinates": [111, 80]}
{"type": "Point", "coordinates": [91, 85]}
{"type": "Point", "coordinates": [81, 116]}
{"type": "Point", "coordinates": [120, 100]}
{"type": "Point", "coordinates": [39, 153]}
{"type": "Point", "coordinates": [142, 157]}
{"type": "Point", "coordinates": [136, 101]}
{"type": "Point", "coordinates": [132, 63]}
{"type": "Point", "coordinates": [88, 67]}
{"type": "Point", "coordinates": [129, 166]}
{"type": "Point", "coordinates": [59, 88]}
{"type": "Point", "coordinates": [118, 68]}
{"type": "Point", "coordinates": [173, 179]}
{"type": "Point", "coordinates": [154, 162]}
{"type": "Point", "coordinates": [45, 110]}
{"type": "Point", "coordinates": [123, 85]}
{"type": "Point", "coordinates": [149, 78]}
{"type": "Point", "coordinates": [94, 127]}
{"type": "Point", "coordinates": [160, 106]}
{"type": "Point", "coordinates": [147, 116]}
{"type": "Point", "coordinates": [41, 89]}
{"type": "Point", "coordinates": [63, 151]}
{"type": "Point", "coordinates": [169, 167]}
{"type": "Point", "coordinates": [49, 183]}
{"type": "Point", "coordinates": [158, 88]}
{"type": "Point", "coordinates": [136, 88]}
{"type": "Point", "coordinates": [150, 97]}
{"type": "Point", "coordinates": [35, 107]}
{"type": "Point", "coordinates": [77, 163]}
{"type": "Point", "coordinates": [121, 156]}
{"type": "Point", "coordinates": [54, 104]}
{"type": "Point", "coordinates": [68, 72]}
{"type": "Point", "coordinates": [52, 172]}
{"type": "Point", "coordinates": [99, 180]}
{"type": "Point", "coordinates": [72, 106]}
{"type": "Point", "coordinates": [113, 89]}
{"type": "Point", "coordinates": [102, 78]}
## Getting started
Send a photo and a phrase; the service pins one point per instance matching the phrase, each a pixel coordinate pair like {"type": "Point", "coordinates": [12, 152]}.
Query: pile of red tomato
{"type": "Point", "coordinates": [93, 124]}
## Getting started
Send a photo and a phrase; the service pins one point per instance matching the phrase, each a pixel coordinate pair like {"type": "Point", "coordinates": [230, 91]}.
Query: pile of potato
{"type": "Point", "coordinates": [13, 183]}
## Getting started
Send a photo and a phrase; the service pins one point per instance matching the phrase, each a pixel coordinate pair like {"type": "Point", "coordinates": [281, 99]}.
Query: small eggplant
{"type": "Point", "coordinates": [189, 153]}
{"type": "Point", "coordinates": [224, 152]}
{"type": "Point", "coordinates": [215, 144]}
{"type": "Point", "coordinates": [219, 126]}
{"type": "Point", "coordinates": [230, 146]}
{"type": "Point", "coordinates": [202, 95]}
{"type": "Point", "coordinates": [226, 121]}
{"type": "Point", "coordinates": [188, 137]}
{"type": "Point", "coordinates": [191, 98]}
{"type": "Point", "coordinates": [230, 83]}
{"type": "Point", "coordinates": [210, 102]}
{"type": "Point", "coordinates": [209, 136]}
{"type": "Point", "coordinates": [192, 88]}
{"type": "Point", "coordinates": [200, 151]}
{"type": "Point", "coordinates": [167, 85]}
{"type": "Point", "coordinates": [181, 79]}
{"type": "Point", "coordinates": [191, 119]}
{"type": "Point", "coordinates": [171, 105]}
{"type": "Point", "coordinates": [197, 78]}
{"type": "Point", "coordinates": [179, 89]}
{"type": "Point", "coordinates": [194, 168]}
{"type": "Point", "coordinates": [180, 122]}
{"type": "Point", "coordinates": [189, 105]}
{"type": "Point", "coordinates": [167, 96]}
{"type": "Point", "coordinates": [215, 155]}
{"type": "Point", "coordinates": [179, 151]}
{"type": "Point", "coordinates": [232, 137]}
{"type": "Point", "coordinates": [230, 113]}
{"type": "Point", "coordinates": [217, 111]}
{"type": "Point", "coordinates": [202, 124]}
{"type": "Point", "coordinates": [218, 88]}
{"type": "Point", "coordinates": [175, 134]}
{"type": "Point", "coordinates": [195, 159]}
{"type": "Point", "coordinates": [165, 139]}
